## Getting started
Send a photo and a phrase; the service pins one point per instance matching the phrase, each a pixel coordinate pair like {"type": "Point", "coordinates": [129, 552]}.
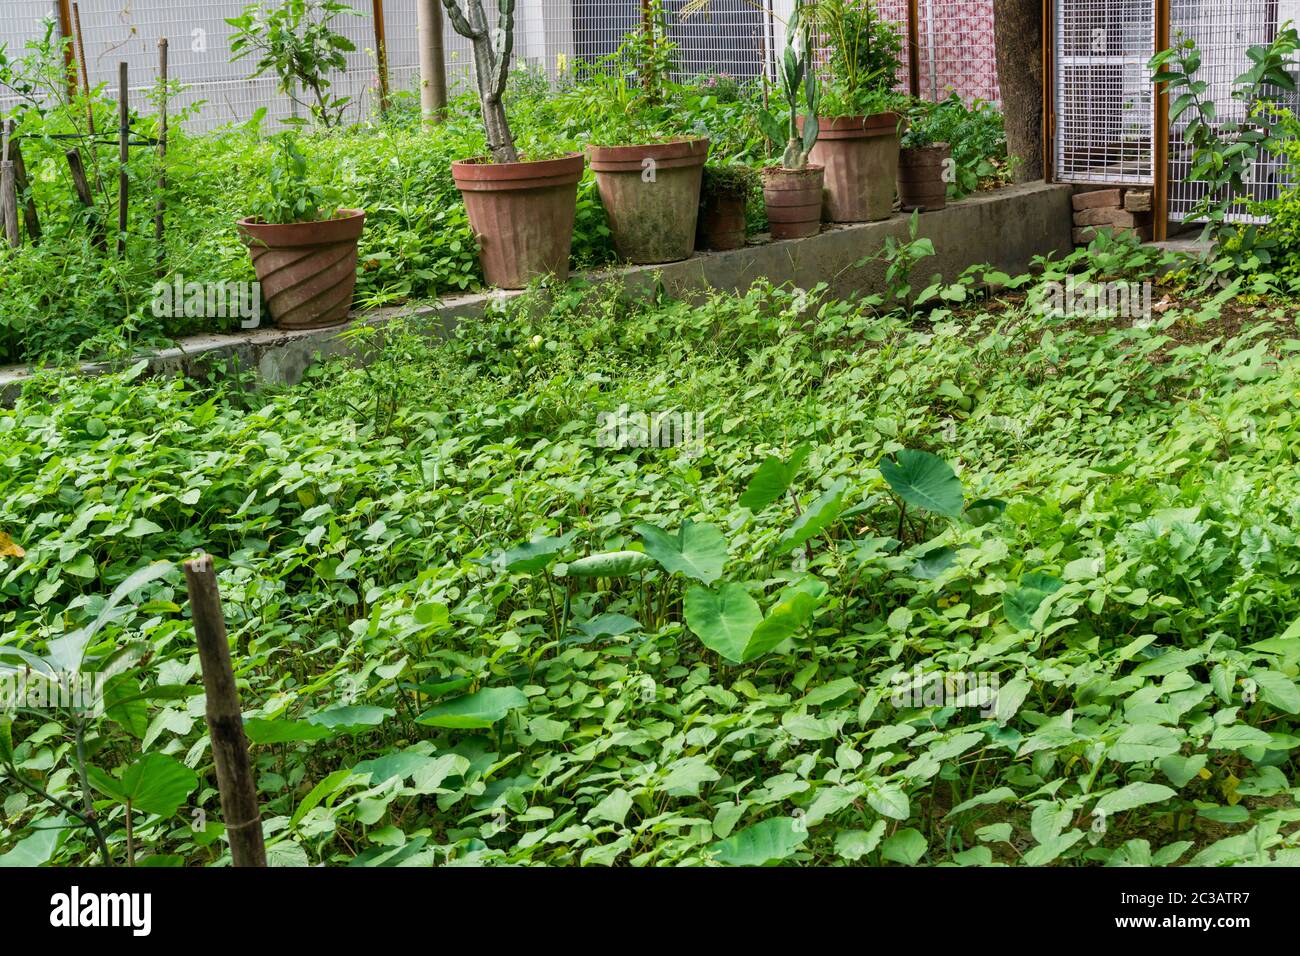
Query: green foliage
{"type": "Point", "coordinates": [864, 56]}
{"type": "Point", "coordinates": [427, 680]}
{"type": "Point", "coordinates": [296, 41]}
{"type": "Point", "coordinates": [291, 196]}
{"type": "Point", "coordinates": [975, 134]}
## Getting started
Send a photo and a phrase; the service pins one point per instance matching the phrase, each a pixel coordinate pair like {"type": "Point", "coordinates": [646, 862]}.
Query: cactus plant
{"type": "Point", "coordinates": [798, 78]}
{"type": "Point", "coordinates": [492, 48]}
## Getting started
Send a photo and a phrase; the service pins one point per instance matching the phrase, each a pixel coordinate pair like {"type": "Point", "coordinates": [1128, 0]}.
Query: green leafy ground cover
{"type": "Point", "coordinates": [447, 654]}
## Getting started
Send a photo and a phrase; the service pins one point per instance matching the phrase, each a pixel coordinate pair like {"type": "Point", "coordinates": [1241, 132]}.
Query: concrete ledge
{"type": "Point", "coordinates": [1004, 228]}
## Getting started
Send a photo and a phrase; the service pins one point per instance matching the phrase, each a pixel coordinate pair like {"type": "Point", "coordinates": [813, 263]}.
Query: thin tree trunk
{"type": "Point", "coordinates": [1018, 32]}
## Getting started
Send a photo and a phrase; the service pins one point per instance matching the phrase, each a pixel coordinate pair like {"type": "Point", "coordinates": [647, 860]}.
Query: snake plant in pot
{"type": "Point", "coordinates": [521, 212]}
{"type": "Point", "coordinates": [304, 247]}
{"type": "Point", "coordinates": [792, 192]}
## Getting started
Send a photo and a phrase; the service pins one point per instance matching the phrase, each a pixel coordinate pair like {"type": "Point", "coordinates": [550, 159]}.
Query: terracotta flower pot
{"type": "Point", "coordinates": [860, 154]}
{"type": "Point", "coordinates": [722, 222]}
{"type": "Point", "coordinates": [307, 269]}
{"type": "Point", "coordinates": [793, 198]}
{"type": "Point", "coordinates": [651, 196]}
{"type": "Point", "coordinates": [522, 215]}
{"type": "Point", "coordinates": [920, 177]}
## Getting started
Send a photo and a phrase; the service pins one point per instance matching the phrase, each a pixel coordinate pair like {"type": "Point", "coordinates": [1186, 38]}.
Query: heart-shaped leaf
{"type": "Point", "coordinates": [724, 619]}
{"type": "Point", "coordinates": [154, 784]}
{"type": "Point", "coordinates": [1021, 603]}
{"type": "Point", "coordinates": [924, 481]}
{"type": "Point", "coordinates": [698, 551]}
{"type": "Point", "coordinates": [763, 844]}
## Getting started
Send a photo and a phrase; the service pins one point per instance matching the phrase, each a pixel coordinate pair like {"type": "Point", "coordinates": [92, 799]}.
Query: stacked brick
{"type": "Point", "coordinates": [1116, 210]}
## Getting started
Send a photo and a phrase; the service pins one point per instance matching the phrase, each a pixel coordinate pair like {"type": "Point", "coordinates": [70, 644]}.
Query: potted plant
{"type": "Point", "coordinates": [521, 212]}
{"type": "Point", "coordinates": [858, 140]}
{"type": "Point", "coordinates": [724, 194]}
{"type": "Point", "coordinates": [304, 247]}
{"type": "Point", "coordinates": [792, 192]}
{"type": "Point", "coordinates": [923, 164]}
{"type": "Point", "coordinates": [650, 190]}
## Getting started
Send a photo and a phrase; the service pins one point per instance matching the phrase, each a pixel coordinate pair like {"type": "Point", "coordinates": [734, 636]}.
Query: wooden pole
{"type": "Point", "coordinates": [82, 186]}
{"type": "Point", "coordinates": [85, 74]}
{"type": "Point", "coordinates": [22, 186]}
{"type": "Point", "coordinates": [239, 808]}
{"type": "Point", "coordinates": [1049, 94]}
{"type": "Point", "coordinates": [381, 53]}
{"type": "Point", "coordinates": [433, 67]}
{"type": "Point", "coordinates": [1160, 150]}
{"type": "Point", "coordinates": [8, 191]}
{"type": "Point", "coordinates": [913, 49]}
{"type": "Point", "coordinates": [69, 58]}
{"type": "Point", "coordinates": [123, 157]}
{"type": "Point", "coordinates": [160, 205]}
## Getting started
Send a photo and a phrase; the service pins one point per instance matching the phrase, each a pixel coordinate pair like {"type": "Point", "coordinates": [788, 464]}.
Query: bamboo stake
{"type": "Point", "coordinates": [85, 74]}
{"type": "Point", "coordinates": [123, 157]}
{"type": "Point", "coordinates": [239, 807]}
{"type": "Point", "coordinates": [82, 186]}
{"type": "Point", "coordinates": [381, 53]}
{"type": "Point", "coordinates": [22, 185]}
{"type": "Point", "coordinates": [8, 191]}
{"type": "Point", "coordinates": [160, 206]}
{"type": "Point", "coordinates": [69, 62]}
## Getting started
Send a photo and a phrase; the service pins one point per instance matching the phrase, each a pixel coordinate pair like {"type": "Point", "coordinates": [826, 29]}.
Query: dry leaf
{"type": "Point", "coordinates": [8, 549]}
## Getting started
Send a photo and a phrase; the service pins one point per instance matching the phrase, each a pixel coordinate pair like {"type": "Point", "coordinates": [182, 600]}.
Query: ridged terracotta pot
{"type": "Point", "coordinates": [522, 215]}
{"type": "Point", "coordinates": [920, 177]}
{"type": "Point", "coordinates": [651, 196]}
{"type": "Point", "coordinates": [722, 222]}
{"type": "Point", "coordinates": [307, 269]}
{"type": "Point", "coordinates": [793, 198]}
{"type": "Point", "coordinates": [860, 154]}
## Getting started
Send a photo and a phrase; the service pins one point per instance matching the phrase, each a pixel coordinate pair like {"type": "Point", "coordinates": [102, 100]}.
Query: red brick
{"type": "Point", "coordinates": [1096, 199]}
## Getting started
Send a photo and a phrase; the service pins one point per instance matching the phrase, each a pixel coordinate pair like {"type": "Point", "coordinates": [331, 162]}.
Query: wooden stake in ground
{"type": "Point", "coordinates": [82, 186]}
{"type": "Point", "coordinates": [85, 74]}
{"type": "Point", "coordinates": [123, 158]}
{"type": "Point", "coordinates": [8, 192]}
{"type": "Point", "coordinates": [239, 807]}
{"type": "Point", "coordinates": [160, 206]}
{"type": "Point", "coordinates": [381, 52]}
{"type": "Point", "coordinates": [22, 185]}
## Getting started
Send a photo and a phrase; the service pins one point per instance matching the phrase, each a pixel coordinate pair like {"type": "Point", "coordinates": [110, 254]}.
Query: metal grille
{"type": "Point", "coordinates": [957, 52]}
{"type": "Point", "coordinates": [1224, 30]}
{"type": "Point", "coordinates": [1104, 107]}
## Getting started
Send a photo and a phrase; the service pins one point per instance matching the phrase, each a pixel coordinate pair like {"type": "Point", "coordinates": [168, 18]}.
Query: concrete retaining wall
{"type": "Point", "coordinates": [1004, 228]}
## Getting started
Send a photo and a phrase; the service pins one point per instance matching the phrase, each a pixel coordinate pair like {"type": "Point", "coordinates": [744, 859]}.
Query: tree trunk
{"type": "Point", "coordinates": [1018, 32]}
{"type": "Point", "coordinates": [501, 144]}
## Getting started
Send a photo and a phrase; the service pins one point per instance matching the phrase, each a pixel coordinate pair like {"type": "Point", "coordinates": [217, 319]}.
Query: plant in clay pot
{"type": "Point", "coordinates": [649, 178]}
{"type": "Point", "coordinates": [303, 246]}
{"type": "Point", "coordinates": [792, 192]}
{"type": "Point", "coordinates": [858, 141]}
{"type": "Point", "coordinates": [521, 212]}
{"type": "Point", "coordinates": [924, 165]}
{"type": "Point", "coordinates": [723, 197]}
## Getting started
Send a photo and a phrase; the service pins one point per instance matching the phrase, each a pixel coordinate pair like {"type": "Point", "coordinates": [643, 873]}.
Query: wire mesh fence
{"type": "Point", "coordinates": [741, 38]}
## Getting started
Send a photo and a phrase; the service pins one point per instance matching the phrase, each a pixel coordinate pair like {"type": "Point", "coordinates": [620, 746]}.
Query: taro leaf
{"type": "Point", "coordinates": [934, 562]}
{"type": "Point", "coordinates": [1134, 795]}
{"type": "Point", "coordinates": [698, 551]}
{"type": "Point", "coordinates": [1022, 602]}
{"type": "Point", "coordinates": [924, 481]}
{"type": "Point", "coordinates": [154, 784]}
{"type": "Point", "coordinates": [473, 711]}
{"type": "Point", "coordinates": [37, 848]}
{"type": "Point", "coordinates": [763, 844]}
{"type": "Point", "coordinates": [609, 625]}
{"type": "Point", "coordinates": [66, 653]}
{"type": "Point", "coordinates": [783, 619]}
{"type": "Point", "coordinates": [724, 619]}
{"type": "Point", "coordinates": [536, 553]}
{"type": "Point", "coordinates": [261, 730]}
{"type": "Point", "coordinates": [353, 719]}
{"type": "Point", "coordinates": [611, 564]}
{"type": "Point", "coordinates": [772, 480]}
{"type": "Point", "coordinates": [815, 518]}
{"type": "Point", "coordinates": [984, 511]}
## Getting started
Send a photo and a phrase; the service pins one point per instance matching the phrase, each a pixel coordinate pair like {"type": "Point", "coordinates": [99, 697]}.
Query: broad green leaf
{"type": "Point", "coordinates": [772, 480]}
{"type": "Point", "coordinates": [1134, 795]}
{"type": "Point", "coordinates": [783, 620]}
{"type": "Point", "coordinates": [536, 553]}
{"type": "Point", "coordinates": [261, 730]}
{"type": "Point", "coordinates": [154, 784]}
{"type": "Point", "coordinates": [924, 481]}
{"type": "Point", "coordinates": [474, 711]}
{"type": "Point", "coordinates": [353, 719]}
{"type": "Point", "coordinates": [815, 518]}
{"type": "Point", "coordinates": [1022, 602]}
{"type": "Point", "coordinates": [762, 844]}
{"type": "Point", "coordinates": [853, 845]}
{"type": "Point", "coordinates": [697, 551]}
{"type": "Point", "coordinates": [611, 564]}
{"type": "Point", "coordinates": [724, 619]}
{"type": "Point", "coordinates": [907, 846]}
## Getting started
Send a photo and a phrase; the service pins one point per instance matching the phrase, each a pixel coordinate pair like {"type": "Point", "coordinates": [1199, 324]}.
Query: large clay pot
{"type": "Point", "coordinates": [920, 177]}
{"type": "Point", "coordinates": [722, 221]}
{"type": "Point", "coordinates": [307, 270]}
{"type": "Point", "coordinates": [651, 196]}
{"type": "Point", "coordinates": [522, 216]}
{"type": "Point", "coordinates": [860, 154]}
{"type": "Point", "coordinates": [793, 198]}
